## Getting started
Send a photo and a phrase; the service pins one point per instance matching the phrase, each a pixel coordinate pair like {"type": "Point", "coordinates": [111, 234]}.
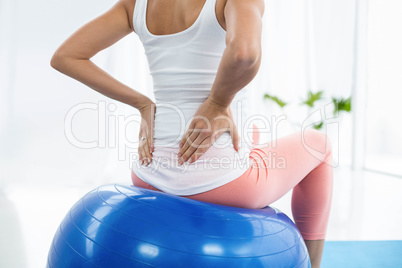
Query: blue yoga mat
{"type": "Point", "coordinates": [367, 254]}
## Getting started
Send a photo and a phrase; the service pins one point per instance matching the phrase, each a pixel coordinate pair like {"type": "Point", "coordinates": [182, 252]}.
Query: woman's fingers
{"type": "Point", "coordinates": [151, 144]}
{"type": "Point", "coordinates": [149, 147]}
{"type": "Point", "coordinates": [235, 138]}
{"type": "Point", "coordinates": [147, 152]}
{"type": "Point", "coordinates": [199, 141]}
{"type": "Point", "coordinates": [144, 151]}
{"type": "Point", "coordinates": [146, 139]}
{"type": "Point", "coordinates": [202, 147]}
{"type": "Point", "coordinates": [150, 141]}
{"type": "Point", "coordinates": [189, 154]}
{"type": "Point", "coordinates": [151, 131]}
{"type": "Point", "coordinates": [188, 147]}
{"type": "Point", "coordinates": [186, 135]}
{"type": "Point", "coordinates": [141, 154]}
{"type": "Point", "coordinates": [202, 133]}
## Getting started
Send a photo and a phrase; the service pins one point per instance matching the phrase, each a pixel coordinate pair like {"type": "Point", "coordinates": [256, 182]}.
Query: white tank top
{"type": "Point", "coordinates": [183, 66]}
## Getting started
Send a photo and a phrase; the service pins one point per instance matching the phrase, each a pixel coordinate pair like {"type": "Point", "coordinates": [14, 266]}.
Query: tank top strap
{"type": "Point", "coordinates": [210, 7]}
{"type": "Point", "coordinates": [210, 18]}
{"type": "Point", "coordinates": [139, 17]}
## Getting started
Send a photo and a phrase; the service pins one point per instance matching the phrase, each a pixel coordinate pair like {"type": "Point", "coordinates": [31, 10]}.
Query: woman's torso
{"type": "Point", "coordinates": [184, 52]}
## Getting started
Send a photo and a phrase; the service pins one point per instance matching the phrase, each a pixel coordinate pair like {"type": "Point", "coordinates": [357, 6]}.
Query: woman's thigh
{"type": "Point", "coordinates": [292, 158]}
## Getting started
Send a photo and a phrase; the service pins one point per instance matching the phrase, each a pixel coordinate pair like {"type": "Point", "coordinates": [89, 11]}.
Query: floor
{"type": "Point", "coordinates": [362, 254]}
{"type": "Point", "coordinates": [366, 206]}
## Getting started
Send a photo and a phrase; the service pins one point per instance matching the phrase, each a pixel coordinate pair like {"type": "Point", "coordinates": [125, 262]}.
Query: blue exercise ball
{"type": "Point", "coordinates": [124, 226]}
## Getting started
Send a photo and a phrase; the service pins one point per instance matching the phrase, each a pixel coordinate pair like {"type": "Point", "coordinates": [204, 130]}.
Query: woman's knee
{"type": "Point", "coordinates": [317, 142]}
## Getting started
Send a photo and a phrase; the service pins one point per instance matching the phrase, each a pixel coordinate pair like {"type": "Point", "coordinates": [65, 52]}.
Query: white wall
{"type": "Point", "coordinates": [384, 109]}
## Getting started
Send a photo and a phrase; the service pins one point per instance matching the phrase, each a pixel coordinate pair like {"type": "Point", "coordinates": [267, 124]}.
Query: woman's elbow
{"type": "Point", "coordinates": [247, 54]}
{"type": "Point", "coordinates": [61, 59]}
{"type": "Point", "coordinates": [56, 61]}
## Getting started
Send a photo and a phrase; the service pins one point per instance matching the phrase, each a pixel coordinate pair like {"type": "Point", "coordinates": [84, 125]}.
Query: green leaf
{"type": "Point", "coordinates": [278, 101]}
{"type": "Point", "coordinates": [312, 98]}
{"type": "Point", "coordinates": [319, 125]}
{"type": "Point", "coordinates": [341, 104]}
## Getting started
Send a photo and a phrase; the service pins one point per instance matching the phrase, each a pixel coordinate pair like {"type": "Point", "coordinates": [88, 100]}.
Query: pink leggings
{"type": "Point", "coordinates": [301, 161]}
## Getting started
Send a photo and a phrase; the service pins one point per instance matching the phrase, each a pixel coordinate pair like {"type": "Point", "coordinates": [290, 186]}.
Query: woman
{"type": "Point", "coordinates": [202, 55]}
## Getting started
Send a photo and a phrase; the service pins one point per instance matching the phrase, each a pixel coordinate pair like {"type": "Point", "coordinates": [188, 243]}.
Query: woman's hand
{"type": "Point", "coordinates": [146, 136]}
{"type": "Point", "coordinates": [209, 123]}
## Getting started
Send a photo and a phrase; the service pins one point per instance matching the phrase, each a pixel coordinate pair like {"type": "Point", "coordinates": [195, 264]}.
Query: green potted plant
{"type": "Point", "coordinates": [340, 105]}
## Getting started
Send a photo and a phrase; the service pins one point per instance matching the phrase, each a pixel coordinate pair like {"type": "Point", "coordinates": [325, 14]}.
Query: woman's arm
{"type": "Point", "coordinates": [73, 56]}
{"type": "Point", "coordinates": [242, 56]}
{"type": "Point", "coordinates": [239, 65]}
{"type": "Point", "coordinates": [73, 59]}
